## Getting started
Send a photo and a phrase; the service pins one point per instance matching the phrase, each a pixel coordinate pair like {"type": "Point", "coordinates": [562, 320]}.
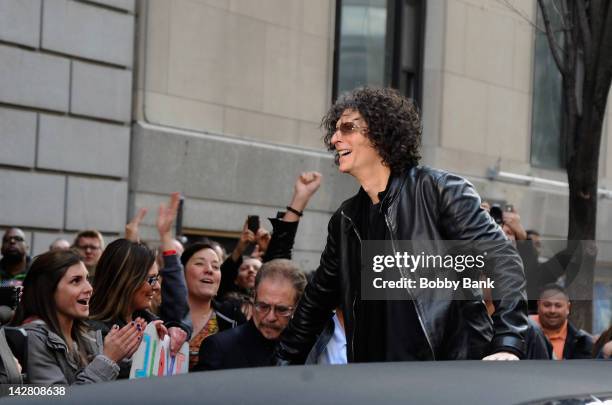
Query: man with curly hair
{"type": "Point", "coordinates": [376, 136]}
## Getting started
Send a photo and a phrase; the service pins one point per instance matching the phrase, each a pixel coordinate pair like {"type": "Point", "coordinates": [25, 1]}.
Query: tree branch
{"type": "Point", "coordinates": [554, 48]}
{"type": "Point", "coordinates": [597, 12]}
{"type": "Point", "coordinates": [585, 31]}
{"type": "Point", "coordinates": [560, 13]}
{"type": "Point", "coordinates": [522, 14]}
{"type": "Point", "coordinates": [603, 53]}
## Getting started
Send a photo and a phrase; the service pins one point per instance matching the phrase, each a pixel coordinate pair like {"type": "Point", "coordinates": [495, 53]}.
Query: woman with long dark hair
{"type": "Point", "coordinates": [53, 307]}
{"type": "Point", "coordinates": [126, 283]}
{"type": "Point", "coordinates": [127, 280]}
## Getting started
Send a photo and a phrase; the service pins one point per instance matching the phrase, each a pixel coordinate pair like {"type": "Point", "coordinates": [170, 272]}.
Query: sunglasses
{"type": "Point", "coordinates": [9, 239]}
{"type": "Point", "coordinates": [280, 310]}
{"type": "Point", "coordinates": [349, 127]}
{"type": "Point", "coordinates": [153, 279]}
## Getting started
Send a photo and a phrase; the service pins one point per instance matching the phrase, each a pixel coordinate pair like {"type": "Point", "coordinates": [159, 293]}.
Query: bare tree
{"type": "Point", "coordinates": [580, 40]}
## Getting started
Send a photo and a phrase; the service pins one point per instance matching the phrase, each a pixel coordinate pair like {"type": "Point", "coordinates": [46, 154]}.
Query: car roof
{"type": "Point", "coordinates": [456, 382]}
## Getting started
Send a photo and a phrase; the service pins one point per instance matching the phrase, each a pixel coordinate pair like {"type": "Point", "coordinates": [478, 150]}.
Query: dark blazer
{"type": "Point", "coordinates": [239, 347]}
{"type": "Point", "coordinates": [578, 344]}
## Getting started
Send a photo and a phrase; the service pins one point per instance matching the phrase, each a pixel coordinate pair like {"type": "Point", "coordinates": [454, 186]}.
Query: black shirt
{"type": "Point", "coordinates": [386, 330]}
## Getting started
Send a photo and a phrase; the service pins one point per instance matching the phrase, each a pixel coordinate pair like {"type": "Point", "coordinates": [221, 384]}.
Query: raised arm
{"type": "Point", "coordinates": [285, 229]}
{"type": "Point", "coordinates": [174, 308]}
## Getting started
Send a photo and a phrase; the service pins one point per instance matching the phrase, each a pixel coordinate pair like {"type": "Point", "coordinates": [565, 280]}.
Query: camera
{"type": "Point", "coordinates": [9, 296]}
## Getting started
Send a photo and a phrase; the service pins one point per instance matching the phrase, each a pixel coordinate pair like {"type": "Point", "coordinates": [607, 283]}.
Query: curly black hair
{"type": "Point", "coordinates": [394, 124]}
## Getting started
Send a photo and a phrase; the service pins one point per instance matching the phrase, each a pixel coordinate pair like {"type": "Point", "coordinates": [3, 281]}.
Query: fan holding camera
{"type": "Point", "coordinates": [239, 269]}
{"type": "Point", "coordinates": [508, 219]}
{"type": "Point", "coordinates": [538, 272]}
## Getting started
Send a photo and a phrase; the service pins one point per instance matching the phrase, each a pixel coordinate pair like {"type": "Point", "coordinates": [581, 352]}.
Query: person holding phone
{"type": "Point", "coordinates": [238, 272]}
{"type": "Point", "coordinates": [61, 347]}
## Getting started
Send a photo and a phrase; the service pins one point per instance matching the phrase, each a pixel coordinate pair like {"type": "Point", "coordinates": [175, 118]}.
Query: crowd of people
{"type": "Point", "coordinates": [84, 305]}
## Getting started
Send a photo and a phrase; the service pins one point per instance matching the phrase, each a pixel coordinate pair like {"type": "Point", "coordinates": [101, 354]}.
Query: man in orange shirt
{"type": "Point", "coordinates": [553, 311]}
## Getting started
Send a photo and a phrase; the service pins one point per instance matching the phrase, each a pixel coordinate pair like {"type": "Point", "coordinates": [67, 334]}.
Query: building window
{"type": "Point", "coordinates": [547, 145]}
{"type": "Point", "coordinates": [379, 43]}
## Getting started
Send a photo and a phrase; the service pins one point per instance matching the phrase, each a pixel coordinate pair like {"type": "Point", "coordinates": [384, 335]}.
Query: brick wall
{"type": "Point", "coordinates": [65, 111]}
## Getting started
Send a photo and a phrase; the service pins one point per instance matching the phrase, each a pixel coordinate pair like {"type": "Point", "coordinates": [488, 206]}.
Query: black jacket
{"type": "Point", "coordinates": [537, 346]}
{"type": "Point", "coordinates": [239, 347]}
{"type": "Point", "coordinates": [420, 204]}
{"type": "Point", "coordinates": [578, 344]}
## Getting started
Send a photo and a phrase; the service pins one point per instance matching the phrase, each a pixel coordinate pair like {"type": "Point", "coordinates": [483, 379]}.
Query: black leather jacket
{"type": "Point", "coordinates": [578, 344]}
{"type": "Point", "coordinates": [420, 204]}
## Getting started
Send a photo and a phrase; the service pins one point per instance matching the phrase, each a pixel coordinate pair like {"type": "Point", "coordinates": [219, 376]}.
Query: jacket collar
{"type": "Point", "coordinates": [352, 208]}
{"type": "Point", "coordinates": [54, 341]}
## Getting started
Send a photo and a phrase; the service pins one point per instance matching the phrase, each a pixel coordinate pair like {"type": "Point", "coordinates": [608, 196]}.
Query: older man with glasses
{"type": "Point", "coordinates": [278, 287]}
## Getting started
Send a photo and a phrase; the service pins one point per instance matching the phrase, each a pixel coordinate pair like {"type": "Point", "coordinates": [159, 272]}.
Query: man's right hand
{"type": "Point", "coordinates": [307, 184]}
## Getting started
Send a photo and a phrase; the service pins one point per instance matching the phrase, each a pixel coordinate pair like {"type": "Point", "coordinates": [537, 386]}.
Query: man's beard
{"type": "Point", "coordinates": [12, 257]}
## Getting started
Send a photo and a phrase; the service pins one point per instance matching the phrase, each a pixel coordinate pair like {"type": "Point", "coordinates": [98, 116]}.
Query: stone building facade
{"type": "Point", "coordinates": [66, 72]}
{"type": "Point", "coordinates": [109, 105]}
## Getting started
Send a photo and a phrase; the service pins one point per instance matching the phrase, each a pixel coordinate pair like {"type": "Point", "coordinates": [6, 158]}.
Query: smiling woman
{"type": "Point", "coordinates": [203, 276]}
{"type": "Point", "coordinates": [61, 348]}
{"type": "Point", "coordinates": [121, 286]}
{"type": "Point", "coordinates": [127, 279]}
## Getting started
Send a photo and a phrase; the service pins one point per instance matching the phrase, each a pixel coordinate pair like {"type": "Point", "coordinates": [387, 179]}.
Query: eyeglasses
{"type": "Point", "coordinates": [16, 238]}
{"type": "Point", "coordinates": [280, 310]}
{"type": "Point", "coordinates": [152, 280]}
{"type": "Point", "coordinates": [88, 247]}
{"type": "Point", "coordinates": [349, 127]}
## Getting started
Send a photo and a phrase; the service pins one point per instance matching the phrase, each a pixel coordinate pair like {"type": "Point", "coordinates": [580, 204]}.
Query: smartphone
{"type": "Point", "coordinates": [509, 208]}
{"type": "Point", "coordinates": [253, 223]}
{"type": "Point", "coordinates": [496, 214]}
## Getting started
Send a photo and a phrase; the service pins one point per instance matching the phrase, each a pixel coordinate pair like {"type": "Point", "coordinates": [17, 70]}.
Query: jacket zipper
{"type": "Point", "coordinates": [416, 308]}
{"type": "Point", "coordinates": [354, 299]}
{"type": "Point", "coordinates": [409, 292]}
